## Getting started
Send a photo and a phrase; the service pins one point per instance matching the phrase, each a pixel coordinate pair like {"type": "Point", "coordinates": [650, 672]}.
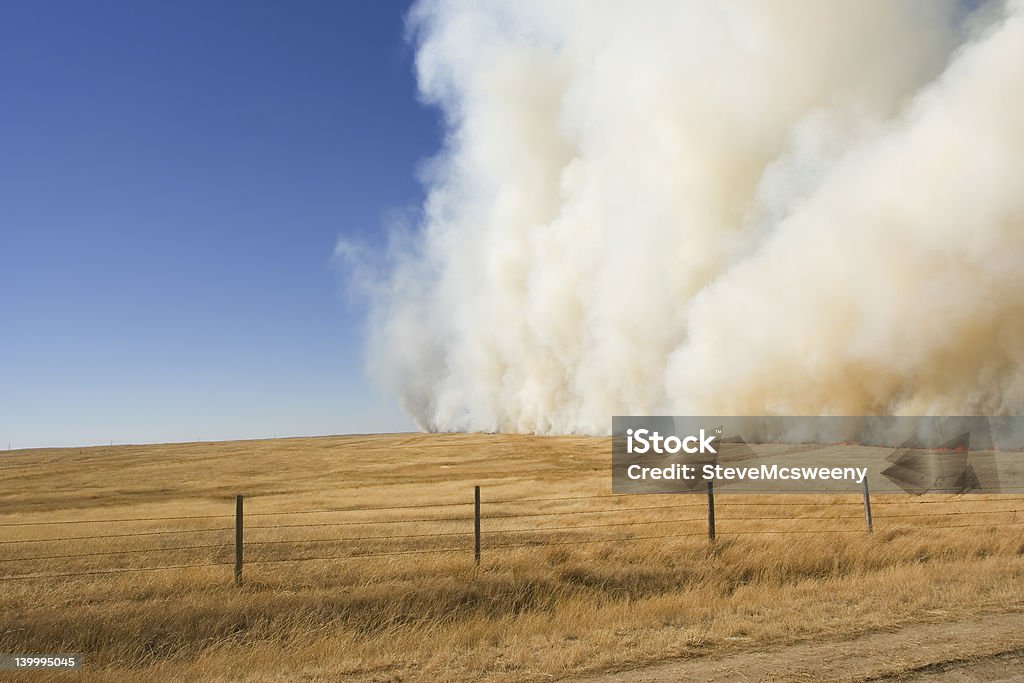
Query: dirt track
{"type": "Point", "coordinates": [988, 649]}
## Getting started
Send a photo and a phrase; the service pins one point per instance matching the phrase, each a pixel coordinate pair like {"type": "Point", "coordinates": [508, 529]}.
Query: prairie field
{"type": "Point", "coordinates": [359, 563]}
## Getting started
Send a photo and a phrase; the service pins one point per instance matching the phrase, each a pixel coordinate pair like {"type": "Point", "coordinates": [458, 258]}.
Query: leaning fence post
{"type": "Point", "coordinates": [867, 507]}
{"type": "Point", "coordinates": [711, 510]}
{"type": "Point", "coordinates": [476, 524]}
{"type": "Point", "coordinates": [238, 540]}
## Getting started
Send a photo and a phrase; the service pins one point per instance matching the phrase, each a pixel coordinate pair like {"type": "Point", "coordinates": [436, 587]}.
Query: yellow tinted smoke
{"type": "Point", "coordinates": [712, 208]}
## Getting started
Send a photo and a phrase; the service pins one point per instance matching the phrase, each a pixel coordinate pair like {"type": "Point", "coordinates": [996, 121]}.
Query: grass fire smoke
{"type": "Point", "coordinates": [743, 208]}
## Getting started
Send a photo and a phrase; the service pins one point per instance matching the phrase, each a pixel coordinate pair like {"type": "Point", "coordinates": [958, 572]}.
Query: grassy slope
{"type": "Point", "coordinates": [526, 613]}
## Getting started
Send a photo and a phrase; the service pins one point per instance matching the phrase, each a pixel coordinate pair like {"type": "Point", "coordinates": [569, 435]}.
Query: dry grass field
{"type": "Point", "coordinates": [572, 581]}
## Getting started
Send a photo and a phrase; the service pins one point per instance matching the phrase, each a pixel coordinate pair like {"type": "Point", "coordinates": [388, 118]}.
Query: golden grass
{"type": "Point", "coordinates": [563, 606]}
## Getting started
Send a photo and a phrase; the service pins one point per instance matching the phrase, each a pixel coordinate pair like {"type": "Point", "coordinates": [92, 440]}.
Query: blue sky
{"type": "Point", "coordinates": [174, 177]}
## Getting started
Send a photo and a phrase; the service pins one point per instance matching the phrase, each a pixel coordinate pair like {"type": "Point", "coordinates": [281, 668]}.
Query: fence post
{"type": "Point", "coordinates": [867, 507]}
{"type": "Point", "coordinates": [711, 510]}
{"type": "Point", "coordinates": [476, 524]}
{"type": "Point", "coordinates": [238, 540]}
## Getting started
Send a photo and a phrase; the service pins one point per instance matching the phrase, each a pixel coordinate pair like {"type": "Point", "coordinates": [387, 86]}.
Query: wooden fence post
{"type": "Point", "coordinates": [711, 510]}
{"type": "Point", "coordinates": [867, 507]}
{"type": "Point", "coordinates": [238, 540]}
{"type": "Point", "coordinates": [476, 524]}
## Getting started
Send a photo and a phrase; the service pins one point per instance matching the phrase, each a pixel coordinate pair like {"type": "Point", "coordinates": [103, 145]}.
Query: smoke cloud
{"type": "Point", "coordinates": [743, 208]}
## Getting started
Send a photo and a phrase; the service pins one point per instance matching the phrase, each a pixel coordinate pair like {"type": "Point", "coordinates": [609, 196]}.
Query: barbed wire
{"type": "Point", "coordinates": [496, 517]}
{"type": "Point", "coordinates": [119, 570]}
{"type": "Point", "coordinates": [417, 551]}
{"type": "Point", "coordinates": [509, 501]}
{"type": "Point", "coordinates": [880, 501]}
{"type": "Point", "coordinates": [164, 532]}
{"type": "Point", "coordinates": [966, 526]}
{"type": "Point", "coordinates": [586, 512]}
{"type": "Point", "coordinates": [324, 511]}
{"type": "Point", "coordinates": [593, 526]}
{"type": "Point", "coordinates": [468, 533]}
{"type": "Point", "coordinates": [456, 519]}
{"type": "Point", "coordinates": [946, 514]}
{"type": "Point", "coordinates": [107, 521]}
{"type": "Point", "coordinates": [1001, 499]}
{"type": "Point", "coordinates": [229, 515]}
{"type": "Point", "coordinates": [589, 541]}
{"type": "Point", "coordinates": [133, 551]}
{"type": "Point", "coordinates": [730, 503]}
{"type": "Point", "coordinates": [971, 508]}
{"type": "Point", "coordinates": [797, 519]}
{"type": "Point", "coordinates": [359, 523]}
{"type": "Point", "coordinates": [796, 531]}
{"type": "Point", "coordinates": [359, 538]}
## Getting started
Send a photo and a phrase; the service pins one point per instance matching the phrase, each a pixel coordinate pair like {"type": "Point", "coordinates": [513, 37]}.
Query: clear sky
{"type": "Point", "coordinates": [174, 177]}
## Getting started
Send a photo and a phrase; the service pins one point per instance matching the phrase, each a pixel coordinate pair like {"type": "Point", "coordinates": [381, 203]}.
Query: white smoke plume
{"type": "Point", "coordinates": [737, 208]}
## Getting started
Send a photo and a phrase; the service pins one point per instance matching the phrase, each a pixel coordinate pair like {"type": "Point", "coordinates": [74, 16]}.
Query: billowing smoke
{"type": "Point", "coordinates": [736, 208]}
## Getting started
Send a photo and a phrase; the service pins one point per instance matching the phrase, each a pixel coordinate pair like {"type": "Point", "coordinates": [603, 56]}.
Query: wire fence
{"type": "Point", "coordinates": [476, 528]}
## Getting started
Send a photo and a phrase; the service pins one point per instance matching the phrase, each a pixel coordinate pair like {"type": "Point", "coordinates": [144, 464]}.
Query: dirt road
{"type": "Point", "coordinates": [987, 649]}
